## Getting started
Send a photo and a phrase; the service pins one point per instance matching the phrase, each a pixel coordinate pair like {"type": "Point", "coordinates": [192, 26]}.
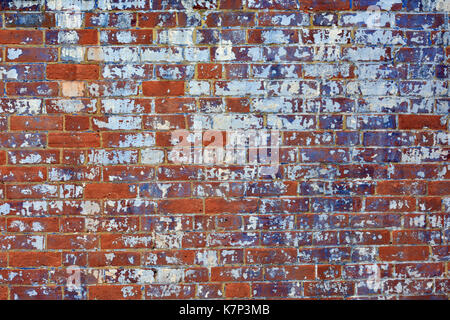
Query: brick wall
{"type": "Point", "coordinates": [110, 108]}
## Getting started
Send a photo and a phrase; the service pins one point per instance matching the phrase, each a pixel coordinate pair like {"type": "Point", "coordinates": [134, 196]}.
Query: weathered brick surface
{"type": "Point", "coordinates": [97, 95]}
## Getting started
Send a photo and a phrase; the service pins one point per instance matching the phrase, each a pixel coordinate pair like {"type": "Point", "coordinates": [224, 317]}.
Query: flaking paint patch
{"type": "Point", "coordinates": [70, 5]}
{"type": "Point", "coordinates": [69, 20]}
{"type": "Point", "coordinates": [168, 241]}
{"type": "Point", "coordinates": [119, 123]}
{"type": "Point", "coordinates": [152, 156]}
{"type": "Point", "coordinates": [14, 53]}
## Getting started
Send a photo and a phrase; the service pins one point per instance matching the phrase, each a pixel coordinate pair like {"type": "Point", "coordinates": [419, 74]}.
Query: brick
{"type": "Point", "coordinates": [157, 19]}
{"type": "Point", "coordinates": [209, 71]}
{"type": "Point", "coordinates": [32, 224]}
{"type": "Point", "coordinates": [4, 293]}
{"type": "Point", "coordinates": [41, 123]}
{"type": "Point", "coordinates": [272, 37]}
{"type": "Point", "coordinates": [76, 123]}
{"type": "Point", "coordinates": [81, 37]}
{"type": "Point", "coordinates": [126, 37]}
{"type": "Point", "coordinates": [74, 140]}
{"type": "Point", "coordinates": [72, 72]}
{"type": "Point", "coordinates": [165, 88]}
{"type": "Point", "coordinates": [292, 19]}
{"type": "Point", "coordinates": [266, 256]}
{"type": "Point", "coordinates": [34, 157]}
{"type": "Point", "coordinates": [110, 191]}
{"type": "Point", "coordinates": [329, 288]}
{"type": "Point", "coordinates": [35, 191]}
{"type": "Point", "coordinates": [416, 237]}
{"type": "Point", "coordinates": [41, 89]}
{"type": "Point", "coordinates": [408, 288]}
{"type": "Point", "coordinates": [30, 174]}
{"type": "Point", "coordinates": [306, 272]}
{"type": "Point", "coordinates": [30, 20]}
{"type": "Point", "coordinates": [33, 293]}
{"type": "Point", "coordinates": [419, 21]}
{"type": "Point", "coordinates": [181, 206]}
{"type": "Point", "coordinates": [230, 19]}
{"type": "Point", "coordinates": [324, 5]}
{"type": "Point", "coordinates": [400, 188]}
{"type": "Point", "coordinates": [272, 290]}
{"type": "Point", "coordinates": [21, 37]}
{"type": "Point", "coordinates": [223, 206]}
{"type": "Point", "coordinates": [438, 188]}
{"type": "Point", "coordinates": [30, 54]}
{"type": "Point", "coordinates": [69, 241]}
{"type": "Point", "coordinates": [403, 253]}
{"type": "Point", "coordinates": [394, 5]}
{"type": "Point", "coordinates": [165, 291]}
{"type": "Point", "coordinates": [273, 4]}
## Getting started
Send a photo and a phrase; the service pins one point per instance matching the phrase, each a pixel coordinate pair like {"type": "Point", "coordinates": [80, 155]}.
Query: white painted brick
{"type": "Point", "coordinates": [199, 88]}
{"type": "Point", "coordinates": [69, 20]}
{"type": "Point", "coordinates": [119, 123]}
{"type": "Point", "coordinates": [111, 157]}
{"type": "Point", "coordinates": [176, 37]}
{"type": "Point", "coordinates": [156, 54]}
{"type": "Point", "coordinates": [75, 54]}
{"type": "Point", "coordinates": [113, 54]}
{"type": "Point", "coordinates": [152, 156]}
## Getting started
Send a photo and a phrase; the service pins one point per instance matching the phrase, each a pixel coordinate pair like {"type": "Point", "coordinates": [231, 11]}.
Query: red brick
{"type": "Point", "coordinates": [110, 191]}
{"type": "Point", "coordinates": [84, 37]}
{"type": "Point", "coordinates": [237, 290]}
{"type": "Point", "coordinates": [365, 4]}
{"type": "Point", "coordinates": [403, 187]}
{"type": "Point", "coordinates": [73, 140]}
{"type": "Point", "coordinates": [36, 293]}
{"type": "Point", "coordinates": [214, 206]}
{"type": "Point", "coordinates": [122, 241]}
{"type": "Point", "coordinates": [39, 123]}
{"type": "Point", "coordinates": [163, 88]}
{"type": "Point", "coordinates": [441, 188]}
{"type": "Point", "coordinates": [31, 54]}
{"type": "Point", "coordinates": [23, 174]}
{"type": "Point", "coordinates": [42, 89]}
{"type": "Point", "coordinates": [76, 123]}
{"type": "Point", "coordinates": [3, 293]}
{"type": "Point", "coordinates": [157, 19]}
{"type": "Point", "coordinates": [115, 292]}
{"type": "Point", "coordinates": [403, 253]}
{"type": "Point", "coordinates": [180, 206]}
{"type": "Point", "coordinates": [73, 72]}
{"type": "Point", "coordinates": [325, 5]}
{"type": "Point", "coordinates": [271, 255]}
{"type": "Point", "coordinates": [136, 37]}
{"type": "Point", "coordinates": [209, 71]}
{"type": "Point", "coordinates": [30, 20]}
{"type": "Point", "coordinates": [21, 37]}
{"type": "Point", "coordinates": [329, 288]}
{"type": "Point", "coordinates": [417, 122]}
{"type": "Point", "coordinates": [169, 291]}
{"type": "Point", "coordinates": [72, 241]}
